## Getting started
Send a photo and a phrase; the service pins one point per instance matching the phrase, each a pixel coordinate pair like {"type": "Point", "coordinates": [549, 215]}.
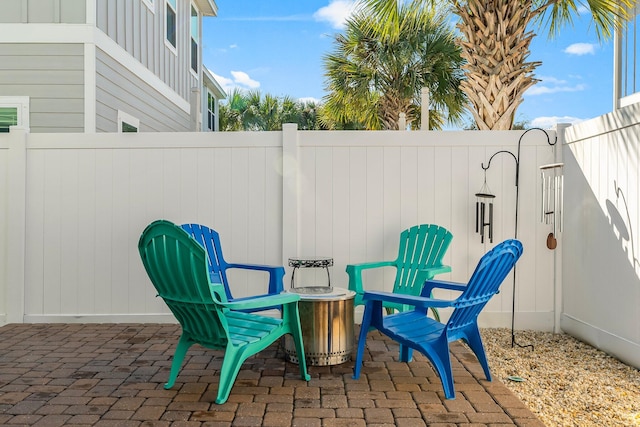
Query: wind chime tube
{"type": "Point", "coordinates": [491, 222]}
{"type": "Point", "coordinates": [477, 216]}
{"type": "Point", "coordinates": [542, 196]}
{"type": "Point", "coordinates": [482, 222]}
{"type": "Point", "coordinates": [560, 203]}
{"type": "Point", "coordinates": [548, 211]}
{"type": "Point", "coordinates": [555, 204]}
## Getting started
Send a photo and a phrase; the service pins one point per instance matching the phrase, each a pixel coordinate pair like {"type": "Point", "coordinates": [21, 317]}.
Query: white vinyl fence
{"type": "Point", "coordinates": [601, 267]}
{"type": "Point", "coordinates": [73, 207]}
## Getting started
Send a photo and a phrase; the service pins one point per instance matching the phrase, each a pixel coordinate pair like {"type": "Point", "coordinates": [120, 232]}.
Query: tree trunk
{"type": "Point", "coordinates": [496, 46]}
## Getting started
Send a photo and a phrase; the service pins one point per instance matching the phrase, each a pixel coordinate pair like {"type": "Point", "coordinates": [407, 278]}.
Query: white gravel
{"type": "Point", "coordinates": [565, 382]}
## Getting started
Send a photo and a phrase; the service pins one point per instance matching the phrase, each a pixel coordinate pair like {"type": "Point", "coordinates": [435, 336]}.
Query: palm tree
{"type": "Point", "coordinates": [497, 36]}
{"type": "Point", "coordinates": [372, 78]}
{"type": "Point", "coordinates": [256, 112]}
{"type": "Point", "coordinates": [233, 111]}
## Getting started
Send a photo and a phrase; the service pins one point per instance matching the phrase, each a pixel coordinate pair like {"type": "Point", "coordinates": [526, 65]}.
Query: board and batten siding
{"type": "Point", "coordinates": [52, 76]}
{"type": "Point", "coordinates": [140, 31]}
{"type": "Point", "coordinates": [43, 11]}
{"type": "Point", "coordinates": [117, 88]}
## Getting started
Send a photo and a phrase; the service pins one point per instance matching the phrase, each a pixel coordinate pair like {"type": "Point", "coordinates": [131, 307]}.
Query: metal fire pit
{"type": "Point", "coordinates": [326, 318]}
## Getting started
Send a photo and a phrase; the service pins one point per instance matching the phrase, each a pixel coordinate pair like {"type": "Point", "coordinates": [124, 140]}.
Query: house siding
{"type": "Point", "coordinates": [53, 83]}
{"type": "Point", "coordinates": [119, 89]}
{"type": "Point", "coordinates": [140, 32]}
{"type": "Point", "coordinates": [43, 11]}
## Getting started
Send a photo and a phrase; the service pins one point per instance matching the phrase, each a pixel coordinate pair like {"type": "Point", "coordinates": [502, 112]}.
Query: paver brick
{"type": "Point", "coordinates": [113, 376]}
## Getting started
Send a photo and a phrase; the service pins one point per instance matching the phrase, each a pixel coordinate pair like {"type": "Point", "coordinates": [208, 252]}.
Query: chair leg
{"type": "Point", "coordinates": [406, 353]}
{"type": "Point", "coordinates": [181, 350]}
{"type": "Point", "coordinates": [233, 359]}
{"type": "Point", "coordinates": [438, 354]}
{"type": "Point", "coordinates": [296, 333]}
{"type": "Point", "coordinates": [474, 340]}
{"type": "Point", "coordinates": [362, 338]}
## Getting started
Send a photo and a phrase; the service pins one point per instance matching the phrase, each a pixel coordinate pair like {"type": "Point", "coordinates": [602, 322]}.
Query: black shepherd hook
{"type": "Point", "coordinates": [517, 160]}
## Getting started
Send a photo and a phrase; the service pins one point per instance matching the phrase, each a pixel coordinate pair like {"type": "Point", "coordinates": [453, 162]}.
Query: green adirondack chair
{"type": "Point", "coordinates": [177, 266]}
{"type": "Point", "coordinates": [420, 253]}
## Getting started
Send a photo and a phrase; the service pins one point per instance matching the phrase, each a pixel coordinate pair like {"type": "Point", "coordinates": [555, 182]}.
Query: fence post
{"type": "Point", "coordinates": [560, 129]}
{"type": "Point", "coordinates": [402, 121]}
{"type": "Point", "coordinates": [290, 191]}
{"type": "Point", "coordinates": [16, 218]}
{"type": "Point", "coordinates": [424, 114]}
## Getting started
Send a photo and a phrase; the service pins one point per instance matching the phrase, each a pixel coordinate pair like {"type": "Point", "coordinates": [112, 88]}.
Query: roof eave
{"type": "Point", "coordinates": [207, 7]}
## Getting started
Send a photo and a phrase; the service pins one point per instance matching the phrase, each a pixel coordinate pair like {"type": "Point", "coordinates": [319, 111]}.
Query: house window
{"type": "Point", "coordinates": [194, 39]}
{"type": "Point", "coordinates": [211, 112]}
{"type": "Point", "coordinates": [8, 117]}
{"type": "Point", "coordinates": [170, 25]}
{"type": "Point", "coordinates": [14, 111]}
{"type": "Point", "coordinates": [127, 123]}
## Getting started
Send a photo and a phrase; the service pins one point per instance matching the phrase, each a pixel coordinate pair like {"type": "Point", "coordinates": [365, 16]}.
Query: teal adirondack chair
{"type": "Point", "coordinates": [177, 267]}
{"type": "Point", "coordinates": [420, 253]}
{"type": "Point", "coordinates": [414, 330]}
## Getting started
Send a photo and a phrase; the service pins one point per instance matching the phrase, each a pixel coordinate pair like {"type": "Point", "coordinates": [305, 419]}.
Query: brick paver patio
{"type": "Point", "coordinates": [112, 375]}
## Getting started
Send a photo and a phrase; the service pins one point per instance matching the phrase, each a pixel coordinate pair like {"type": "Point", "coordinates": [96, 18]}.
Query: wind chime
{"type": "Point", "coordinates": [484, 216]}
{"type": "Point", "coordinates": [552, 181]}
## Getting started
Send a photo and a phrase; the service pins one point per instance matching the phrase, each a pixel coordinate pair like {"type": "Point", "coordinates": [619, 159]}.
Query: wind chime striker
{"type": "Point", "coordinates": [552, 181]}
{"type": "Point", "coordinates": [484, 216]}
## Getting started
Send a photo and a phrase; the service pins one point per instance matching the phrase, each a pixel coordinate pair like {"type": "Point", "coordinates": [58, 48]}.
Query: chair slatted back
{"type": "Point", "coordinates": [489, 274]}
{"type": "Point", "coordinates": [210, 239]}
{"type": "Point", "coordinates": [177, 267]}
{"type": "Point", "coordinates": [421, 246]}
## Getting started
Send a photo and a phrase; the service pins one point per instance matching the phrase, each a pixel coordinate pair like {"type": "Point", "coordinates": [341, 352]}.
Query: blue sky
{"type": "Point", "coordinates": [277, 46]}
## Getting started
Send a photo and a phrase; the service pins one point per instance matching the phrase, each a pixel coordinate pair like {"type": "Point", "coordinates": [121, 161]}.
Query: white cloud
{"type": "Point", "coordinates": [581, 49]}
{"type": "Point", "coordinates": [310, 99]}
{"type": "Point", "coordinates": [239, 79]}
{"type": "Point", "coordinates": [243, 79]}
{"type": "Point", "coordinates": [336, 13]}
{"type": "Point", "coordinates": [549, 122]}
{"type": "Point", "coordinates": [546, 90]}
{"type": "Point", "coordinates": [233, 46]}
{"type": "Point", "coordinates": [551, 80]}
{"type": "Point", "coordinates": [223, 81]}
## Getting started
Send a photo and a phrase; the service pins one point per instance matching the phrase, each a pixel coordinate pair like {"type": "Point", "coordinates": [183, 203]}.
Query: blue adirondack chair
{"type": "Point", "coordinates": [420, 254]}
{"type": "Point", "coordinates": [177, 267]}
{"type": "Point", "coordinates": [414, 330]}
{"type": "Point", "coordinates": [210, 240]}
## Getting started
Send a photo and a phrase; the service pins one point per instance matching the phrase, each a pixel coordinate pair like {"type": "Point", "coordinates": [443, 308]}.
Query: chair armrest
{"type": "Point", "coordinates": [276, 275]}
{"type": "Point", "coordinates": [430, 272]}
{"type": "Point", "coordinates": [264, 301]}
{"type": "Point", "coordinates": [354, 271]}
{"type": "Point", "coordinates": [430, 285]}
{"type": "Point", "coordinates": [368, 265]}
{"type": "Point", "coordinates": [406, 299]}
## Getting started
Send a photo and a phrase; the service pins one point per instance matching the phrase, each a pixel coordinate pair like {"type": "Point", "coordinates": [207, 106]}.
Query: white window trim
{"type": "Point", "coordinates": [150, 5]}
{"type": "Point", "coordinates": [128, 119]}
{"type": "Point", "coordinates": [205, 119]}
{"type": "Point", "coordinates": [22, 105]}
{"type": "Point", "coordinates": [168, 44]}
{"type": "Point", "coordinates": [194, 73]}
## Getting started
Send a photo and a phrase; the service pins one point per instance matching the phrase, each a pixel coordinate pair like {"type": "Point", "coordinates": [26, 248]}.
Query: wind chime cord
{"type": "Point", "coordinates": [517, 160]}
